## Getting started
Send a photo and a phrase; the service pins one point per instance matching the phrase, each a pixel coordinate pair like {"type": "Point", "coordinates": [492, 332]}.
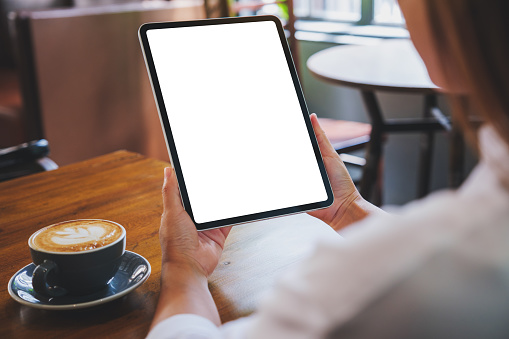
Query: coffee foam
{"type": "Point", "coordinates": [76, 236]}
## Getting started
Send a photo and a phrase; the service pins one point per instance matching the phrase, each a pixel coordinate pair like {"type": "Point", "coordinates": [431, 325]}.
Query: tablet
{"type": "Point", "coordinates": [235, 122]}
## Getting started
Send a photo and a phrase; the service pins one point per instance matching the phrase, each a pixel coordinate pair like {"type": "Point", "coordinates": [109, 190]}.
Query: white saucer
{"type": "Point", "coordinates": [133, 271]}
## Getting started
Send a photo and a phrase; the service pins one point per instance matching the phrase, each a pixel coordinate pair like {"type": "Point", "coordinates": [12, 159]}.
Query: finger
{"type": "Point", "coordinates": [226, 230]}
{"type": "Point", "coordinates": [217, 235]}
{"type": "Point", "coordinates": [171, 195]}
{"type": "Point", "coordinates": [323, 142]}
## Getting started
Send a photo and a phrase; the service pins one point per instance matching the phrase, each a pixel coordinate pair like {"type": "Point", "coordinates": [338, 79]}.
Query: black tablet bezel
{"type": "Point", "coordinates": [169, 137]}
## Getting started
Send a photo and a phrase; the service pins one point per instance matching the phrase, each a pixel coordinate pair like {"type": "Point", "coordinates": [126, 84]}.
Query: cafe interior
{"type": "Point", "coordinates": [72, 76]}
{"type": "Point", "coordinates": [75, 96]}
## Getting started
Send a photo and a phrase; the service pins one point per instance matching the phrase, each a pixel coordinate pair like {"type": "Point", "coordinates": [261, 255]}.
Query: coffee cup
{"type": "Point", "coordinates": [76, 257]}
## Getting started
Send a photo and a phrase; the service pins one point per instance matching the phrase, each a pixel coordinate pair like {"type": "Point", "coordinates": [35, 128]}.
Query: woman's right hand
{"type": "Point", "coordinates": [348, 206]}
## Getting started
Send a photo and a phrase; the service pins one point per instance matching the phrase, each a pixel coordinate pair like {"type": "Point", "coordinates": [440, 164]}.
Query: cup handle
{"type": "Point", "coordinates": [39, 280]}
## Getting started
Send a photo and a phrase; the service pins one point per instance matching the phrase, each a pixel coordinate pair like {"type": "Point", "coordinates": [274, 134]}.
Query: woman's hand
{"type": "Point", "coordinates": [348, 206]}
{"type": "Point", "coordinates": [181, 243]}
{"type": "Point", "coordinates": [189, 257]}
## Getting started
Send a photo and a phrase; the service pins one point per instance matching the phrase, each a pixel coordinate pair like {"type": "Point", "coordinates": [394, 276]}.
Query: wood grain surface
{"type": "Point", "coordinates": [126, 187]}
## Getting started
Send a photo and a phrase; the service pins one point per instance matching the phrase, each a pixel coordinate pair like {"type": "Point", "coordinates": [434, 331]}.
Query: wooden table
{"type": "Point", "coordinates": [126, 187]}
{"type": "Point", "coordinates": [390, 66]}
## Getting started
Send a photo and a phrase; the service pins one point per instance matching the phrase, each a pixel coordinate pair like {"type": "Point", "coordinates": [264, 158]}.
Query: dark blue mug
{"type": "Point", "coordinates": [76, 257]}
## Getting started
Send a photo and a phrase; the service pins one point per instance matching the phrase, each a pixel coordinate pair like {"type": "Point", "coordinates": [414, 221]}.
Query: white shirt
{"type": "Point", "coordinates": [436, 268]}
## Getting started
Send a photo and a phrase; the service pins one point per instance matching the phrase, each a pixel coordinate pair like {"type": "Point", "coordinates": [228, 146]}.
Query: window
{"type": "Point", "coordinates": [387, 12]}
{"type": "Point", "coordinates": [355, 11]}
{"type": "Point", "coordinates": [330, 12]}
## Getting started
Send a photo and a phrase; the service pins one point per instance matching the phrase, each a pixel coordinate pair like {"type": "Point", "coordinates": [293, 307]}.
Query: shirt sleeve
{"type": "Point", "coordinates": [191, 326]}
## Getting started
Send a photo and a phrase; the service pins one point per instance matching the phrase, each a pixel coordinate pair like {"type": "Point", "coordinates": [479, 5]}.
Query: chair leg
{"type": "Point", "coordinates": [426, 150]}
{"type": "Point", "coordinates": [377, 197]}
{"type": "Point", "coordinates": [456, 157]}
{"type": "Point", "coordinates": [371, 182]}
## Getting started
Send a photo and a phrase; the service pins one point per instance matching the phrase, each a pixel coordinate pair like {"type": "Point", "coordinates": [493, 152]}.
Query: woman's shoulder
{"type": "Point", "coordinates": [445, 267]}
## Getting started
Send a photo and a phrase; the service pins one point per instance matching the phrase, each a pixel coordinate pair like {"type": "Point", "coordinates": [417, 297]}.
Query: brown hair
{"type": "Point", "coordinates": [473, 34]}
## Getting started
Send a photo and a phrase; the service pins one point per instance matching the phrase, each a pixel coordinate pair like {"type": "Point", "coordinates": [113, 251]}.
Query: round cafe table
{"type": "Point", "coordinates": [390, 66]}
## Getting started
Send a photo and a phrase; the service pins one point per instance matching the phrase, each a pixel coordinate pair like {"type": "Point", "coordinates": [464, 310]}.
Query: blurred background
{"type": "Point", "coordinates": [72, 72]}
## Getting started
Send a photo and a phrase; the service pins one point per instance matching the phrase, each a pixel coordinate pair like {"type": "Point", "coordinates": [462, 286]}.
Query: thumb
{"type": "Point", "coordinates": [323, 142]}
{"type": "Point", "coordinates": [171, 195]}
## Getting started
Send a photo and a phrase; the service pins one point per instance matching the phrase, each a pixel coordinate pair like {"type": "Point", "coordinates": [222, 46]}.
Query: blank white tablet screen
{"type": "Point", "coordinates": [236, 120]}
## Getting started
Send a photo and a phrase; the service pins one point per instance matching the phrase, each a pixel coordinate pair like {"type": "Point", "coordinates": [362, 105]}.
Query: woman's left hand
{"type": "Point", "coordinates": [181, 243]}
{"type": "Point", "coordinates": [189, 257]}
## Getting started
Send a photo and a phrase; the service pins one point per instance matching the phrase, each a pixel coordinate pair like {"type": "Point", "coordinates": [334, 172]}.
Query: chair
{"type": "Point", "coordinates": [11, 115]}
{"type": "Point", "coordinates": [13, 121]}
{"type": "Point", "coordinates": [24, 159]}
{"type": "Point", "coordinates": [347, 136]}
{"type": "Point", "coordinates": [84, 83]}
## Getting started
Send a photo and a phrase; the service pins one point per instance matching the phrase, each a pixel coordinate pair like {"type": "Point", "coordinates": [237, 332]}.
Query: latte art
{"type": "Point", "coordinates": [76, 236]}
